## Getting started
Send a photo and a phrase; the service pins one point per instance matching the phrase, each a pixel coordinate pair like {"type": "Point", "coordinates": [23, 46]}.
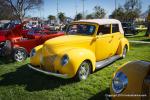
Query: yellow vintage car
{"type": "Point", "coordinates": [131, 82]}
{"type": "Point", "coordinates": [87, 46]}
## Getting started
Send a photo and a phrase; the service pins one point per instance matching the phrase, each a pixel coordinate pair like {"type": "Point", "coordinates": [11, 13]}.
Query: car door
{"type": "Point", "coordinates": [103, 39]}
{"type": "Point", "coordinates": [115, 39]}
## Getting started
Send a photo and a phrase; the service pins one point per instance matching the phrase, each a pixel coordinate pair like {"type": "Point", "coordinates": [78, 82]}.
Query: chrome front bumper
{"type": "Point", "coordinates": [49, 73]}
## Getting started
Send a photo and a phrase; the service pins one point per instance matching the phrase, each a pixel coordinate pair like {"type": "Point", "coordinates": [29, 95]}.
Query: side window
{"type": "Point", "coordinates": [104, 29]}
{"type": "Point", "coordinates": [115, 28]}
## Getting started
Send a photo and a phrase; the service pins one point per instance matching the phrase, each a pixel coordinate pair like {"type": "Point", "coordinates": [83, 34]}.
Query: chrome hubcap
{"type": "Point", "coordinates": [124, 52]}
{"type": "Point", "coordinates": [19, 55]}
{"type": "Point", "coordinates": [84, 70]}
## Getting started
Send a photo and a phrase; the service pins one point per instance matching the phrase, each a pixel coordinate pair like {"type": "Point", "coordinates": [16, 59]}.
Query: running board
{"type": "Point", "coordinates": [105, 62]}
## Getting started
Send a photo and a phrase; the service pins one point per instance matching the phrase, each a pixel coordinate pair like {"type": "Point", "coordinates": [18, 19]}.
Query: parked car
{"type": "Point", "coordinates": [18, 43]}
{"type": "Point", "coordinates": [7, 26]}
{"type": "Point", "coordinates": [131, 81]}
{"type": "Point", "coordinates": [7, 33]}
{"type": "Point", "coordinates": [129, 28]}
{"type": "Point", "coordinates": [140, 28]}
{"type": "Point", "coordinates": [88, 45]}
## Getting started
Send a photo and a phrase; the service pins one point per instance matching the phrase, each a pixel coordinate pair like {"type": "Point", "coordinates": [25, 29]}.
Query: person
{"type": "Point", "coordinates": [73, 29]}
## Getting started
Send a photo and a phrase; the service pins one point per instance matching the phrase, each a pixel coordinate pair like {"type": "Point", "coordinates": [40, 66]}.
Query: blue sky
{"type": "Point", "coordinates": [69, 7]}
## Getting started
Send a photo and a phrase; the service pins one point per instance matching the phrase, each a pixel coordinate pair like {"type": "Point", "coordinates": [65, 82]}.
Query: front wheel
{"type": "Point", "coordinates": [19, 54]}
{"type": "Point", "coordinates": [83, 71]}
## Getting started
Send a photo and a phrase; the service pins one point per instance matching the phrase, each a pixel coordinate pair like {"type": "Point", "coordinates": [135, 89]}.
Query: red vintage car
{"type": "Point", "coordinates": [18, 42]}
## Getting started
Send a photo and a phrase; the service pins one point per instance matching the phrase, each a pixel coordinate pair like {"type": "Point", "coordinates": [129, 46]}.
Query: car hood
{"type": "Point", "coordinates": [66, 42]}
{"type": "Point", "coordinates": [3, 32]}
{"type": "Point", "coordinates": [2, 38]}
{"type": "Point", "coordinates": [68, 39]}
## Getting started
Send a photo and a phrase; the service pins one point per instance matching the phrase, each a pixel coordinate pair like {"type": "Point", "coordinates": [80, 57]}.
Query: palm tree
{"type": "Point", "coordinates": [83, 6]}
{"type": "Point", "coordinates": [51, 17]}
{"type": "Point", "coordinates": [61, 17]}
{"type": "Point", "coordinates": [78, 16]}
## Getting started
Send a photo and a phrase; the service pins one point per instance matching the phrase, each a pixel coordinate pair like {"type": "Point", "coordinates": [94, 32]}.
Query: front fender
{"type": "Point", "coordinates": [36, 59]}
{"type": "Point", "coordinates": [123, 42]}
{"type": "Point", "coordinates": [76, 57]}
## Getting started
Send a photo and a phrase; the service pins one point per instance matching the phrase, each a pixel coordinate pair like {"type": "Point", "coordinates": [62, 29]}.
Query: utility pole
{"type": "Point", "coordinates": [115, 4]}
{"type": "Point", "coordinates": [76, 7]}
{"type": "Point", "coordinates": [57, 12]}
{"type": "Point", "coordinates": [83, 7]}
{"type": "Point", "coordinates": [57, 7]}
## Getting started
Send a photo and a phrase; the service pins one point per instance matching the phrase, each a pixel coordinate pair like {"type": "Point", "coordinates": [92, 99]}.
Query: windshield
{"type": "Point", "coordinates": [8, 26]}
{"type": "Point", "coordinates": [82, 29]}
{"type": "Point", "coordinates": [34, 30]}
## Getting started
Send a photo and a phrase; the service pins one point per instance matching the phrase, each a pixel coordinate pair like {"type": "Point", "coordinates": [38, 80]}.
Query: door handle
{"type": "Point", "coordinates": [110, 40]}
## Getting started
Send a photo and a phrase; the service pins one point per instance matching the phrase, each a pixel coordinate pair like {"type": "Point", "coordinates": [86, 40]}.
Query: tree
{"type": "Point", "coordinates": [61, 17]}
{"type": "Point", "coordinates": [78, 16]}
{"type": "Point", "coordinates": [99, 12]}
{"type": "Point", "coordinates": [51, 17]}
{"type": "Point", "coordinates": [119, 13]}
{"type": "Point", "coordinates": [89, 16]}
{"type": "Point", "coordinates": [5, 10]}
{"type": "Point", "coordinates": [132, 4]}
{"type": "Point", "coordinates": [148, 20]}
{"type": "Point", "coordinates": [133, 9]}
{"type": "Point", "coordinates": [20, 7]}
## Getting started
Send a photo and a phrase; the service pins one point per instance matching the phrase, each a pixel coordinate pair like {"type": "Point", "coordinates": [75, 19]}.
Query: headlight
{"type": "Point", "coordinates": [64, 60]}
{"type": "Point", "coordinates": [32, 53]}
{"type": "Point", "coordinates": [119, 82]}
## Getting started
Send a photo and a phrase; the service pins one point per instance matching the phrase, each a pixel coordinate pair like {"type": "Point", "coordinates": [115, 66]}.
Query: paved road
{"type": "Point", "coordinates": [139, 42]}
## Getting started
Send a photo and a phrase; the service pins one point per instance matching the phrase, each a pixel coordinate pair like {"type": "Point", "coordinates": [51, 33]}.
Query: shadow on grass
{"type": "Point", "coordinates": [101, 95]}
{"type": "Point", "coordinates": [133, 36]}
{"type": "Point", "coordinates": [146, 40]}
{"type": "Point", "coordinates": [140, 45]}
{"type": "Point", "coordinates": [34, 81]}
{"type": "Point", "coordinates": [6, 60]}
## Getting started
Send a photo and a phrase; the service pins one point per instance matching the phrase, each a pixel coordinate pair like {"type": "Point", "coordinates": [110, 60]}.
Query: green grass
{"type": "Point", "coordinates": [139, 37]}
{"type": "Point", "coordinates": [18, 82]}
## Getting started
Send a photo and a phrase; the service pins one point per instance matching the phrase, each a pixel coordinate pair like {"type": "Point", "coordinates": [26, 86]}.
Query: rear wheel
{"type": "Point", "coordinates": [83, 71]}
{"type": "Point", "coordinates": [124, 52]}
{"type": "Point", "coordinates": [19, 54]}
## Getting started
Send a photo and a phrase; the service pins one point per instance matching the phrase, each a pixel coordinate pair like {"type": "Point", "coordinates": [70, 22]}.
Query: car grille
{"type": "Point", "coordinates": [47, 60]}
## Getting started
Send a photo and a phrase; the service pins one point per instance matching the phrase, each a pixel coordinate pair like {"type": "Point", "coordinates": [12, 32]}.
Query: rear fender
{"type": "Point", "coordinates": [123, 42]}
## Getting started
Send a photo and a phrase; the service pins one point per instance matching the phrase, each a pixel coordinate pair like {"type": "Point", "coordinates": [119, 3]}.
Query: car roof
{"type": "Point", "coordinates": [101, 21]}
{"type": "Point", "coordinates": [104, 22]}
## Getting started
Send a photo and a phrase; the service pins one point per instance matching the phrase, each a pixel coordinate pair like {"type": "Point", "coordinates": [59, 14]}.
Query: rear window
{"type": "Point", "coordinates": [115, 28]}
{"type": "Point", "coordinates": [104, 29]}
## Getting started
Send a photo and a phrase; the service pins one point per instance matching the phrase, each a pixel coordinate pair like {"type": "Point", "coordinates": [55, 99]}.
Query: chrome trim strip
{"type": "Point", "coordinates": [49, 73]}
